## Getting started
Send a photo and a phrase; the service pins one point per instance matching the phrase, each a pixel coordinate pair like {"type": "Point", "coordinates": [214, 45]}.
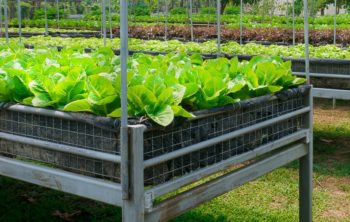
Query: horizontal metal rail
{"type": "Point", "coordinates": [61, 148]}
{"type": "Point", "coordinates": [76, 184]}
{"type": "Point", "coordinates": [41, 111]}
{"type": "Point", "coordinates": [206, 192]}
{"type": "Point", "coordinates": [331, 93]}
{"type": "Point", "coordinates": [170, 186]}
{"type": "Point", "coordinates": [324, 75]}
{"type": "Point", "coordinates": [225, 137]}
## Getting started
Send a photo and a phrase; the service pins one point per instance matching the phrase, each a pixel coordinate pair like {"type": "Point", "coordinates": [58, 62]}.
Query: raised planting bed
{"type": "Point", "coordinates": [29, 133]}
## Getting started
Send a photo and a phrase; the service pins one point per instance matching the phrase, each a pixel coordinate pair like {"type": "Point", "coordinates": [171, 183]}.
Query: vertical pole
{"type": "Point", "coordinates": [218, 8]}
{"type": "Point", "coordinates": [208, 13]}
{"type": "Point", "coordinates": [134, 207]}
{"type": "Point", "coordinates": [19, 12]}
{"type": "Point", "coordinates": [241, 23]}
{"type": "Point", "coordinates": [104, 31]}
{"type": "Point", "coordinates": [110, 19]}
{"type": "Point", "coordinates": [306, 162]}
{"type": "Point", "coordinates": [58, 14]}
{"type": "Point", "coordinates": [293, 8]}
{"type": "Point", "coordinates": [124, 53]}
{"type": "Point", "coordinates": [166, 20]}
{"type": "Point", "coordinates": [158, 12]}
{"type": "Point", "coordinates": [1, 18]}
{"type": "Point", "coordinates": [46, 24]}
{"type": "Point", "coordinates": [335, 23]}
{"type": "Point", "coordinates": [6, 21]}
{"type": "Point", "coordinates": [191, 21]}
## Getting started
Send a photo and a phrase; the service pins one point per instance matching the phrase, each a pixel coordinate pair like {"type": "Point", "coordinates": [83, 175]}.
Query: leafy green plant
{"type": "Point", "coordinates": [178, 11]}
{"type": "Point", "coordinates": [160, 87]}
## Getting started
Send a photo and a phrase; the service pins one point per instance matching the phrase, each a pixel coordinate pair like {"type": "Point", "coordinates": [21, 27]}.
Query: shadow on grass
{"type": "Point", "coordinates": [331, 150]}
{"type": "Point", "coordinates": [25, 202]}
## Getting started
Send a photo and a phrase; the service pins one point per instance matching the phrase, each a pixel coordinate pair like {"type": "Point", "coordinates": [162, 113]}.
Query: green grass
{"type": "Point", "coordinates": [273, 197]}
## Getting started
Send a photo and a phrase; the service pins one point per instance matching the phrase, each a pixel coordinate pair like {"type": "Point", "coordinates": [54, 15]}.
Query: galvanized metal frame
{"type": "Point", "coordinates": [138, 205]}
{"type": "Point", "coordinates": [328, 93]}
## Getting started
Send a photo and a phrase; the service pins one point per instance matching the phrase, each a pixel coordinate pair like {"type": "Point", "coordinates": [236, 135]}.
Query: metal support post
{"type": "Point", "coordinates": [158, 12]}
{"type": "Point", "coordinates": [104, 31]}
{"type": "Point", "coordinates": [218, 8]}
{"type": "Point", "coordinates": [46, 24]}
{"type": "Point", "coordinates": [0, 18]}
{"type": "Point", "coordinates": [134, 207]}
{"type": "Point", "coordinates": [335, 23]}
{"type": "Point", "coordinates": [19, 11]}
{"type": "Point", "coordinates": [110, 19]}
{"type": "Point", "coordinates": [124, 53]}
{"type": "Point", "coordinates": [208, 13]}
{"type": "Point", "coordinates": [306, 162]}
{"type": "Point", "coordinates": [191, 20]}
{"type": "Point", "coordinates": [293, 9]}
{"type": "Point", "coordinates": [6, 21]}
{"type": "Point", "coordinates": [241, 23]}
{"type": "Point", "coordinates": [166, 21]}
{"type": "Point", "coordinates": [58, 14]}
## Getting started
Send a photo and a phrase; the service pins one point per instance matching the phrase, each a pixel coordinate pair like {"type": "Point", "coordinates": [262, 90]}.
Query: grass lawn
{"type": "Point", "coordinates": [273, 197]}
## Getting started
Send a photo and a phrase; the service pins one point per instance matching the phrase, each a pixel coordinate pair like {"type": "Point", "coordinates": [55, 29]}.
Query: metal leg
{"type": "Point", "coordinates": [305, 188]}
{"type": "Point", "coordinates": [306, 173]}
{"type": "Point", "coordinates": [133, 207]}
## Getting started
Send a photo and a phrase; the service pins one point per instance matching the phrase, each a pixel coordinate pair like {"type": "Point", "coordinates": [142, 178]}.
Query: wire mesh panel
{"type": "Point", "coordinates": [60, 131]}
{"type": "Point", "coordinates": [159, 142]}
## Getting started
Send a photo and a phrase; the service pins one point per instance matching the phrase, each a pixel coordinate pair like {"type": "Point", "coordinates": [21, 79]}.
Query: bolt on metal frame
{"type": "Point", "coordinates": [137, 201]}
